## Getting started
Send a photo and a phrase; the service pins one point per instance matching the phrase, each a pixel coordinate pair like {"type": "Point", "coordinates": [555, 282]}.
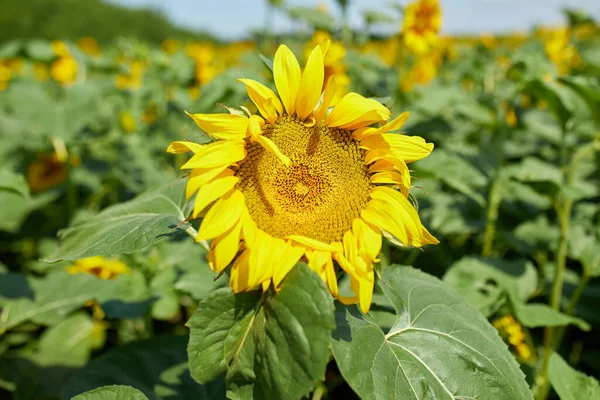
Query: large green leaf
{"type": "Point", "coordinates": [588, 88]}
{"type": "Point", "coordinates": [439, 348]}
{"type": "Point", "coordinates": [456, 172]}
{"type": "Point", "coordinates": [157, 367]}
{"type": "Point", "coordinates": [482, 282]}
{"type": "Point", "coordinates": [569, 383]}
{"type": "Point", "coordinates": [48, 300]}
{"type": "Point", "coordinates": [126, 227]}
{"type": "Point", "coordinates": [273, 346]}
{"type": "Point", "coordinates": [114, 392]}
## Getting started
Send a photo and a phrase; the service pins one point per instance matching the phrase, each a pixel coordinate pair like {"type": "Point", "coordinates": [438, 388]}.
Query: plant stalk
{"type": "Point", "coordinates": [494, 200]}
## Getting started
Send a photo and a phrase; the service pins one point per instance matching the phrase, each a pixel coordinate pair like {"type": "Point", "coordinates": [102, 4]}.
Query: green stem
{"type": "Point", "coordinates": [494, 200]}
{"type": "Point", "coordinates": [571, 307]}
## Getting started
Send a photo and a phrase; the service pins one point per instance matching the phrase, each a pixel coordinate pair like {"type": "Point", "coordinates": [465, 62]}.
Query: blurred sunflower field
{"type": "Point", "coordinates": [305, 248]}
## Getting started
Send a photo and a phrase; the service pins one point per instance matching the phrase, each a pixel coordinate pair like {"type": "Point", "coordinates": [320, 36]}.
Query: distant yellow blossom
{"type": "Point", "coordinates": [170, 46]}
{"type": "Point", "coordinates": [511, 332]}
{"type": "Point", "coordinates": [99, 266]}
{"type": "Point", "coordinates": [127, 121]}
{"type": "Point", "coordinates": [421, 25]}
{"type": "Point", "coordinates": [133, 78]}
{"type": "Point", "coordinates": [40, 71]}
{"type": "Point", "coordinates": [64, 70]}
{"type": "Point", "coordinates": [560, 51]}
{"type": "Point", "coordinates": [46, 172]}
{"type": "Point", "coordinates": [89, 45]}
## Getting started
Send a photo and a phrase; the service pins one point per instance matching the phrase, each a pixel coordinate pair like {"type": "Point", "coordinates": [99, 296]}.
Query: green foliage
{"type": "Point", "coordinates": [156, 367]}
{"type": "Point", "coordinates": [269, 346]}
{"type": "Point", "coordinates": [511, 191]}
{"type": "Point", "coordinates": [72, 19]}
{"type": "Point", "coordinates": [131, 226]}
{"type": "Point", "coordinates": [439, 347]}
{"type": "Point", "coordinates": [112, 393]}
{"type": "Point", "coordinates": [569, 383]}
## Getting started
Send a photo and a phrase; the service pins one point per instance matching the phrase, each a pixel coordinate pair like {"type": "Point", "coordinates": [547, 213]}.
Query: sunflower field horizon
{"type": "Point", "coordinates": [324, 215]}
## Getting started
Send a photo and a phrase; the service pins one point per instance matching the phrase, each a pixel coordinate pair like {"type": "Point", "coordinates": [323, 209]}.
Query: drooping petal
{"type": "Point", "coordinates": [393, 125]}
{"type": "Point", "coordinates": [355, 111]}
{"type": "Point", "coordinates": [222, 126]}
{"type": "Point", "coordinates": [183, 146]}
{"type": "Point", "coordinates": [212, 191]}
{"type": "Point", "coordinates": [199, 177]}
{"type": "Point", "coordinates": [314, 244]}
{"type": "Point", "coordinates": [288, 258]}
{"type": "Point", "coordinates": [239, 277]}
{"type": "Point", "coordinates": [368, 239]}
{"type": "Point", "coordinates": [266, 100]}
{"type": "Point", "coordinates": [217, 154]}
{"type": "Point", "coordinates": [408, 148]}
{"type": "Point", "coordinates": [224, 248]}
{"type": "Point", "coordinates": [286, 73]}
{"type": "Point", "coordinates": [222, 216]}
{"type": "Point", "coordinates": [272, 147]}
{"type": "Point", "coordinates": [365, 291]}
{"type": "Point", "coordinates": [311, 84]}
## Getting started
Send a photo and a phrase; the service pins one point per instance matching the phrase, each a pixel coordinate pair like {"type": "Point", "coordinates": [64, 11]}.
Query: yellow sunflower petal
{"type": "Point", "coordinates": [183, 147]}
{"type": "Point", "coordinates": [355, 111]}
{"type": "Point", "coordinates": [224, 248]}
{"type": "Point", "coordinates": [240, 273]}
{"type": "Point", "coordinates": [222, 216]}
{"type": "Point", "coordinates": [266, 100]}
{"type": "Point", "coordinates": [314, 244]}
{"type": "Point", "coordinates": [286, 73]}
{"type": "Point", "coordinates": [199, 177]}
{"type": "Point", "coordinates": [368, 238]}
{"type": "Point", "coordinates": [288, 258]}
{"type": "Point", "coordinates": [311, 84]}
{"type": "Point", "coordinates": [395, 204]}
{"type": "Point", "coordinates": [365, 294]}
{"type": "Point", "coordinates": [408, 148]}
{"type": "Point", "coordinates": [328, 95]}
{"type": "Point", "coordinates": [393, 125]}
{"type": "Point", "coordinates": [210, 192]}
{"type": "Point", "coordinates": [272, 147]}
{"type": "Point", "coordinates": [331, 279]}
{"type": "Point", "coordinates": [222, 126]}
{"type": "Point", "coordinates": [217, 154]}
{"type": "Point", "coordinates": [387, 177]}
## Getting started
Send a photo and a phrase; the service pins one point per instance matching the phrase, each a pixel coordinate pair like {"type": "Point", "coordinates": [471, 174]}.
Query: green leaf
{"type": "Point", "coordinates": [588, 88]}
{"type": "Point", "coordinates": [15, 201]}
{"type": "Point", "coordinates": [537, 315]}
{"type": "Point", "coordinates": [157, 367]}
{"type": "Point", "coordinates": [70, 342]}
{"type": "Point", "coordinates": [114, 392]}
{"type": "Point", "coordinates": [569, 383]}
{"type": "Point", "coordinates": [39, 50]}
{"type": "Point", "coordinates": [55, 296]}
{"type": "Point", "coordinates": [555, 97]}
{"type": "Point", "coordinates": [269, 346]}
{"type": "Point", "coordinates": [125, 227]}
{"type": "Point", "coordinates": [456, 172]}
{"type": "Point", "coordinates": [482, 282]}
{"type": "Point", "coordinates": [440, 347]}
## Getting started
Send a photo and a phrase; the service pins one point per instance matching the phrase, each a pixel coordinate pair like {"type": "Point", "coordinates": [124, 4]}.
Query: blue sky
{"type": "Point", "coordinates": [230, 19]}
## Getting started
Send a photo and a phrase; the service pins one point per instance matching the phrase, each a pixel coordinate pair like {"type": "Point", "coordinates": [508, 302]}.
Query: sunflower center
{"type": "Point", "coordinates": [318, 195]}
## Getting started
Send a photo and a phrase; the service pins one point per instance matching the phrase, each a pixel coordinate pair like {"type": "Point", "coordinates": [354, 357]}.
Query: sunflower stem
{"type": "Point", "coordinates": [494, 199]}
{"type": "Point", "coordinates": [564, 207]}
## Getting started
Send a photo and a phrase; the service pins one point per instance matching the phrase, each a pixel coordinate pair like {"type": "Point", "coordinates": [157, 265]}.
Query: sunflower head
{"type": "Point", "coordinates": [303, 181]}
{"type": "Point", "coordinates": [421, 25]}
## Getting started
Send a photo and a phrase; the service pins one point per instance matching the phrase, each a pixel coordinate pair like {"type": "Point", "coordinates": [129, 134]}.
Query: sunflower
{"type": "Point", "coordinates": [301, 182]}
{"type": "Point", "coordinates": [421, 25]}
